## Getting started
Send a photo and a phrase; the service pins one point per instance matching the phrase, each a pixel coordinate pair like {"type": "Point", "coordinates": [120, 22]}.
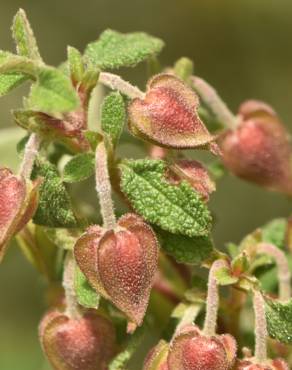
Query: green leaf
{"type": "Point", "coordinates": [93, 138]}
{"type": "Point", "coordinates": [279, 319]}
{"type": "Point", "coordinates": [114, 49]}
{"type": "Point", "coordinates": [224, 277]}
{"type": "Point", "coordinates": [24, 37]}
{"type": "Point", "coordinates": [9, 81]}
{"type": "Point", "coordinates": [275, 232]}
{"type": "Point", "coordinates": [113, 116]}
{"type": "Point", "coordinates": [54, 209]}
{"type": "Point", "coordinates": [184, 249]}
{"type": "Point", "coordinates": [121, 360]}
{"type": "Point", "coordinates": [175, 208]}
{"type": "Point", "coordinates": [53, 93]}
{"type": "Point", "coordinates": [79, 168]}
{"type": "Point", "coordinates": [86, 295]}
{"type": "Point", "coordinates": [76, 66]}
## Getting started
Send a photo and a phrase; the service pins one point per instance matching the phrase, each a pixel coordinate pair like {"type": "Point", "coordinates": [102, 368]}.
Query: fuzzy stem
{"type": "Point", "coordinates": [284, 275]}
{"type": "Point", "coordinates": [212, 303]}
{"type": "Point", "coordinates": [115, 82]}
{"type": "Point", "coordinates": [72, 308]}
{"type": "Point", "coordinates": [103, 188]}
{"type": "Point", "coordinates": [30, 152]}
{"type": "Point", "coordinates": [213, 101]}
{"type": "Point", "coordinates": [261, 332]}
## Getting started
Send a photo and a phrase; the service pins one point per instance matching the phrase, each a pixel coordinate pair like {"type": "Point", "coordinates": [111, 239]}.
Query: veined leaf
{"type": "Point", "coordinates": [175, 208]}
{"type": "Point", "coordinates": [114, 49]}
{"type": "Point", "coordinates": [54, 209]}
{"type": "Point", "coordinates": [79, 168]}
{"type": "Point", "coordinates": [9, 81]}
{"type": "Point", "coordinates": [279, 319]}
{"type": "Point", "coordinates": [86, 295]}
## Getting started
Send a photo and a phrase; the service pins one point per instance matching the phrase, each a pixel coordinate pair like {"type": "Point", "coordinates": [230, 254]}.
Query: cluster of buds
{"type": "Point", "coordinates": [121, 263]}
{"type": "Point", "coordinates": [258, 149]}
{"type": "Point", "coordinates": [18, 202]}
{"type": "Point", "coordinates": [86, 342]}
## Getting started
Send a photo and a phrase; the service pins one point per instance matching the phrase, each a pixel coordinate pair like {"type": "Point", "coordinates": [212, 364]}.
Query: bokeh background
{"type": "Point", "coordinates": [242, 47]}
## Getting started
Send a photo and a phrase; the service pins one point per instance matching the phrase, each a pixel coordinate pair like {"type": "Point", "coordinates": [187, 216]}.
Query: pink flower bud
{"type": "Point", "coordinates": [18, 202]}
{"type": "Point", "coordinates": [193, 172]}
{"type": "Point", "coordinates": [157, 357]}
{"type": "Point", "coordinates": [192, 350]}
{"type": "Point", "coordinates": [168, 115]}
{"type": "Point", "coordinates": [259, 150]}
{"type": "Point", "coordinates": [121, 264]}
{"type": "Point", "coordinates": [85, 343]}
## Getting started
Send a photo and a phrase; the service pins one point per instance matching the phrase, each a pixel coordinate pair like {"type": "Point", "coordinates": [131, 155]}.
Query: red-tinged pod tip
{"type": "Point", "coordinates": [195, 173]}
{"type": "Point", "coordinates": [86, 343]}
{"type": "Point", "coordinates": [168, 115]}
{"type": "Point", "coordinates": [250, 364]}
{"type": "Point", "coordinates": [18, 202]}
{"type": "Point", "coordinates": [255, 108]}
{"type": "Point", "coordinates": [259, 150]}
{"type": "Point", "coordinates": [191, 350]}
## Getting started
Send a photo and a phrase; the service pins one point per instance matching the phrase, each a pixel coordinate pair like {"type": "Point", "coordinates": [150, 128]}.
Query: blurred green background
{"type": "Point", "coordinates": [242, 47]}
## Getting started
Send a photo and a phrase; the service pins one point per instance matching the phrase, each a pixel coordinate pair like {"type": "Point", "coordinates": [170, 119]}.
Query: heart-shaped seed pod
{"type": "Point", "coordinates": [18, 202]}
{"type": "Point", "coordinates": [121, 264]}
{"type": "Point", "coordinates": [157, 357]}
{"type": "Point", "coordinates": [168, 115]}
{"type": "Point", "coordinates": [259, 149]}
{"type": "Point", "coordinates": [250, 364]}
{"type": "Point", "coordinates": [85, 342]}
{"type": "Point", "coordinates": [192, 350]}
{"type": "Point", "coordinates": [194, 173]}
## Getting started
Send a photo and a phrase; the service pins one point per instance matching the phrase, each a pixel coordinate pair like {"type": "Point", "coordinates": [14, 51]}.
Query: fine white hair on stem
{"type": "Point", "coordinates": [103, 187]}
{"type": "Point", "coordinates": [30, 152]}
{"type": "Point", "coordinates": [115, 82]}
{"type": "Point", "coordinates": [72, 307]}
{"type": "Point", "coordinates": [261, 332]}
{"type": "Point", "coordinates": [212, 302]}
{"type": "Point", "coordinates": [213, 101]}
{"type": "Point", "coordinates": [284, 274]}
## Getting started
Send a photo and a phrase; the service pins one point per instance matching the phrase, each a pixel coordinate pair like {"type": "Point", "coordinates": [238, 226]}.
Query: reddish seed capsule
{"type": "Point", "coordinates": [168, 115]}
{"type": "Point", "coordinates": [121, 264]}
{"type": "Point", "coordinates": [259, 149]}
{"type": "Point", "coordinates": [85, 343]}
{"type": "Point", "coordinates": [191, 350]}
{"type": "Point", "coordinates": [18, 202]}
{"type": "Point", "coordinates": [194, 173]}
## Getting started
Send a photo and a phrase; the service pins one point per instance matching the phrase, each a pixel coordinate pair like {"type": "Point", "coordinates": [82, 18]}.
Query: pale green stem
{"type": "Point", "coordinates": [72, 307]}
{"type": "Point", "coordinates": [103, 187]}
{"type": "Point", "coordinates": [284, 275]}
{"type": "Point", "coordinates": [212, 303]}
{"type": "Point", "coordinates": [30, 153]}
{"type": "Point", "coordinates": [189, 317]}
{"type": "Point", "coordinates": [261, 332]}
{"type": "Point", "coordinates": [213, 101]}
{"type": "Point", "coordinates": [115, 82]}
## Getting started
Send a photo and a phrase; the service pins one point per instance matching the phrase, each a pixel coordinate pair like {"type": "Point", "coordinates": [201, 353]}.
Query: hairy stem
{"type": "Point", "coordinates": [212, 303]}
{"type": "Point", "coordinates": [284, 275]}
{"type": "Point", "coordinates": [261, 332]}
{"type": "Point", "coordinates": [213, 101]}
{"type": "Point", "coordinates": [30, 152]}
{"type": "Point", "coordinates": [103, 188]}
{"type": "Point", "coordinates": [72, 308]}
{"type": "Point", "coordinates": [115, 82]}
{"type": "Point", "coordinates": [190, 315]}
